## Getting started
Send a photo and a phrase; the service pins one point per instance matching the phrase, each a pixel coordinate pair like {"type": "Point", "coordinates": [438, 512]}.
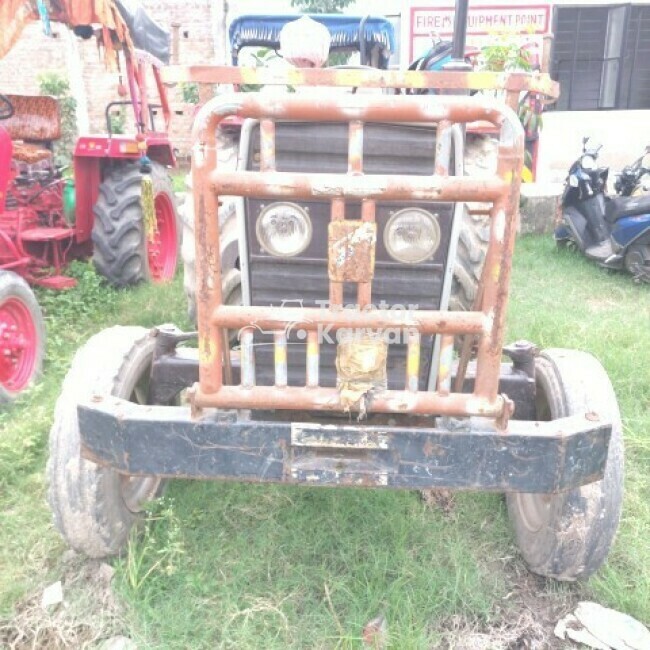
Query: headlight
{"type": "Point", "coordinates": [588, 162]}
{"type": "Point", "coordinates": [283, 229]}
{"type": "Point", "coordinates": [412, 235]}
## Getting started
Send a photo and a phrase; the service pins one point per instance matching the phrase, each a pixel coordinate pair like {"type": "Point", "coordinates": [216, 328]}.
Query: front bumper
{"type": "Point", "coordinates": [466, 454]}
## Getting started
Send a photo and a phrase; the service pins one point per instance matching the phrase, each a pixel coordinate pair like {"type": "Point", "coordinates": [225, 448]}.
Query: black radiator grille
{"type": "Point", "coordinates": [303, 280]}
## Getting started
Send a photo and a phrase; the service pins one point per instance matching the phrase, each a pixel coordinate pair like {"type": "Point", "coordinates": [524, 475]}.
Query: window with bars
{"type": "Point", "coordinates": [602, 57]}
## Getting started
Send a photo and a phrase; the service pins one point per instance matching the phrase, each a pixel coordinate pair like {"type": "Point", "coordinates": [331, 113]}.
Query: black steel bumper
{"type": "Point", "coordinates": [165, 441]}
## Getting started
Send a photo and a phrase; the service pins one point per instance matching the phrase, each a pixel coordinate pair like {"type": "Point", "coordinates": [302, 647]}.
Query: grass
{"type": "Point", "coordinates": [246, 566]}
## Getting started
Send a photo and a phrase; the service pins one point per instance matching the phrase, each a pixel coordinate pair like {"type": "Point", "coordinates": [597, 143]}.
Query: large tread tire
{"type": "Point", "coordinates": [14, 288]}
{"type": "Point", "coordinates": [229, 250]}
{"type": "Point", "coordinates": [567, 536]}
{"type": "Point", "coordinates": [87, 500]}
{"type": "Point", "coordinates": [473, 240]}
{"type": "Point", "coordinates": [119, 238]}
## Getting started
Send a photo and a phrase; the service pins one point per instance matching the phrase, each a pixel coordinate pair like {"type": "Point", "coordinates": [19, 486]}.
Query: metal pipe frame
{"type": "Point", "coordinates": [487, 323]}
{"type": "Point", "coordinates": [514, 82]}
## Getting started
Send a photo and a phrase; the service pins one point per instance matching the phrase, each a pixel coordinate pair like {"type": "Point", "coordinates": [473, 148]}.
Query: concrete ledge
{"type": "Point", "coordinates": [539, 207]}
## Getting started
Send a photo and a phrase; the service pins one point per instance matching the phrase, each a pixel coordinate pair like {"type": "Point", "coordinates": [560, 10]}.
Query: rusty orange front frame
{"type": "Point", "coordinates": [487, 323]}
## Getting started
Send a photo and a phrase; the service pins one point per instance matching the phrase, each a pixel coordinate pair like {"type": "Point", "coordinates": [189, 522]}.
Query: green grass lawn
{"type": "Point", "coordinates": [246, 566]}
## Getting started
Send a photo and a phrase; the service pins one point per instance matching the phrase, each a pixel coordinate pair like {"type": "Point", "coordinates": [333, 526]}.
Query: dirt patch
{"type": "Point", "coordinates": [442, 500]}
{"type": "Point", "coordinates": [88, 614]}
{"type": "Point", "coordinates": [523, 620]}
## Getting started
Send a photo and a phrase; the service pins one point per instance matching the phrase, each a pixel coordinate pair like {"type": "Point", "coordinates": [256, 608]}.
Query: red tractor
{"type": "Point", "coordinates": [46, 219]}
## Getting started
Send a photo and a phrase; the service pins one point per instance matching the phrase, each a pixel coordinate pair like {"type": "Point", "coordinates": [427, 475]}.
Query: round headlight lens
{"type": "Point", "coordinates": [412, 235]}
{"type": "Point", "coordinates": [588, 162]}
{"type": "Point", "coordinates": [284, 229]}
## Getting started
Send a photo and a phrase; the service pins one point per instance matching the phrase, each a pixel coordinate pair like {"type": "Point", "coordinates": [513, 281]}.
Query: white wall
{"type": "Point", "coordinates": [623, 134]}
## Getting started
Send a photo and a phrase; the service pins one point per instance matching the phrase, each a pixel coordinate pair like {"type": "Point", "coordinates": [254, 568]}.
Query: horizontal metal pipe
{"type": "Point", "coordinates": [328, 320]}
{"type": "Point", "coordinates": [513, 81]}
{"type": "Point", "coordinates": [328, 399]}
{"type": "Point", "coordinates": [282, 185]}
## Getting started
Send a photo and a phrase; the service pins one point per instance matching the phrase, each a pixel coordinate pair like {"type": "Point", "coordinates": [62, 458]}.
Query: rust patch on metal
{"type": "Point", "coordinates": [351, 251]}
{"type": "Point", "coordinates": [361, 370]}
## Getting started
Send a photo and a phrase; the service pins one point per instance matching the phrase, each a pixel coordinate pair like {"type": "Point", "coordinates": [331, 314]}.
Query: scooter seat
{"type": "Point", "coordinates": [626, 206]}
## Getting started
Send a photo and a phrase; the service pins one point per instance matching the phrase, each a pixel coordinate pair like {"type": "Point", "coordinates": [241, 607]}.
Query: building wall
{"type": "Point", "coordinates": [623, 134]}
{"type": "Point", "coordinates": [36, 53]}
{"type": "Point", "coordinates": [33, 54]}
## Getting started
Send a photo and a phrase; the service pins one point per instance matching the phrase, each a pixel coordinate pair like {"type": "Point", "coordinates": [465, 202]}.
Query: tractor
{"type": "Point", "coordinates": [349, 368]}
{"type": "Point", "coordinates": [48, 219]}
{"type": "Point", "coordinates": [371, 39]}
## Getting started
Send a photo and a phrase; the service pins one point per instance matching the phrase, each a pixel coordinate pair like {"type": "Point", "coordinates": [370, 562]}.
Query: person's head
{"type": "Point", "coordinates": [305, 43]}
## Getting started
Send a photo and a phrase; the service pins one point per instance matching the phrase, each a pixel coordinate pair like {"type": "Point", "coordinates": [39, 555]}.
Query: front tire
{"type": "Point", "coordinates": [122, 252]}
{"type": "Point", "coordinates": [22, 336]}
{"type": "Point", "coordinates": [637, 261]}
{"type": "Point", "coordinates": [473, 240]}
{"type": "Point", "coordinates": [94, 507]}
{"type": "Point", "coordinates": [567, 536]}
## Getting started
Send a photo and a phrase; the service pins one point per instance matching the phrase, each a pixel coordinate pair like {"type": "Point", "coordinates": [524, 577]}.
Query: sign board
{"type": "Point", "coordinates": [530, 21]}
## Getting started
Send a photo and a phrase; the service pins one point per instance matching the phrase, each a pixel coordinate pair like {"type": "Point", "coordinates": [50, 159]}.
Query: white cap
{"type": "Point", "coordinates": [305, 43]}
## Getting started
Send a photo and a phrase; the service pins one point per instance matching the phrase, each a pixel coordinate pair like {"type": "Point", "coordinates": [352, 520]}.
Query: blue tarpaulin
{"type": "Point", "coordinates": [264, 31]}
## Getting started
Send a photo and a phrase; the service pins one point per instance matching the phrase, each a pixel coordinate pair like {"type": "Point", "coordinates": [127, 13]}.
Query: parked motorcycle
{"type": "Point", "coordinates": [634, 179]}
{"type": "Point", "coordinates": [612, 231]}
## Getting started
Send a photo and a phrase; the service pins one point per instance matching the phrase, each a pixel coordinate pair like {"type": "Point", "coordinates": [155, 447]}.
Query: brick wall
{"type": "Point", "coordinates": [36, 53]}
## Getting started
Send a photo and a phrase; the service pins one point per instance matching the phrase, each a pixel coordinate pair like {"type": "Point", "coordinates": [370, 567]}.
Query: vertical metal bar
{"type": "Point", "coordinates": [498, 264]}
{"type": "Point", "coordinates": [364, 294]}
{"type": "Point", "coordinates": [460, 30]}
{"type": "Point", "coordinates": [208, 264]}
{"type": "Point", "coordinates": [413, 361]}
{"type": "Point", "coordinates": [443, 148]}
{"type": "Point", "coordinates": [336, 294]}
{"type": "Point", "coordinates": [337, 210]}
{"type": "Point", "coordinates": [280, 356]}
{"type": "Point", "coordinates": [368, 211]}
{"type": "Point", "coordinates": [267, 145]}
{"type": "Point", "coordinates": [446, 359]}
{"type": "Point", "coordinates": [144, 100]}
{"type": "Point", "coordinates": [355, 147]}
{"type": "Point", "coordinates": [247, 358]}
{"type": "Point", "coordinates": [313, 359]}
{"type": "Point", "coordinates": [337, 213]}
{"type": "Point", "coordinates": [364, 289]}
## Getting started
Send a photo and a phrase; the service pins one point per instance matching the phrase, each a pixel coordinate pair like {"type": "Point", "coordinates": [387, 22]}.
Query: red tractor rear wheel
{"type": "Point", "coordinates": [22, 336]}
{"type": "Point", "coordinates": [123, 253]}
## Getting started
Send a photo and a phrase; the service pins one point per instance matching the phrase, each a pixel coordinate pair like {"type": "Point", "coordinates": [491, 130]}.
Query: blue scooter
{"type": "Point", "coordinates": [612, 231]}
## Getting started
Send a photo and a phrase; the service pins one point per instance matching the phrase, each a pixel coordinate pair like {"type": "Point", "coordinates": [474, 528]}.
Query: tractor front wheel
{"type": "Point", "coordinates": [473, 240]}
{"type": "Point", "coordinates": [22, 336]}
{"type": "Point", "coordinates": [567, 536]}
{"type": "Point", "coordinates": [95, 507]}
{"type": "Point", "coordinates": [126, 250]}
